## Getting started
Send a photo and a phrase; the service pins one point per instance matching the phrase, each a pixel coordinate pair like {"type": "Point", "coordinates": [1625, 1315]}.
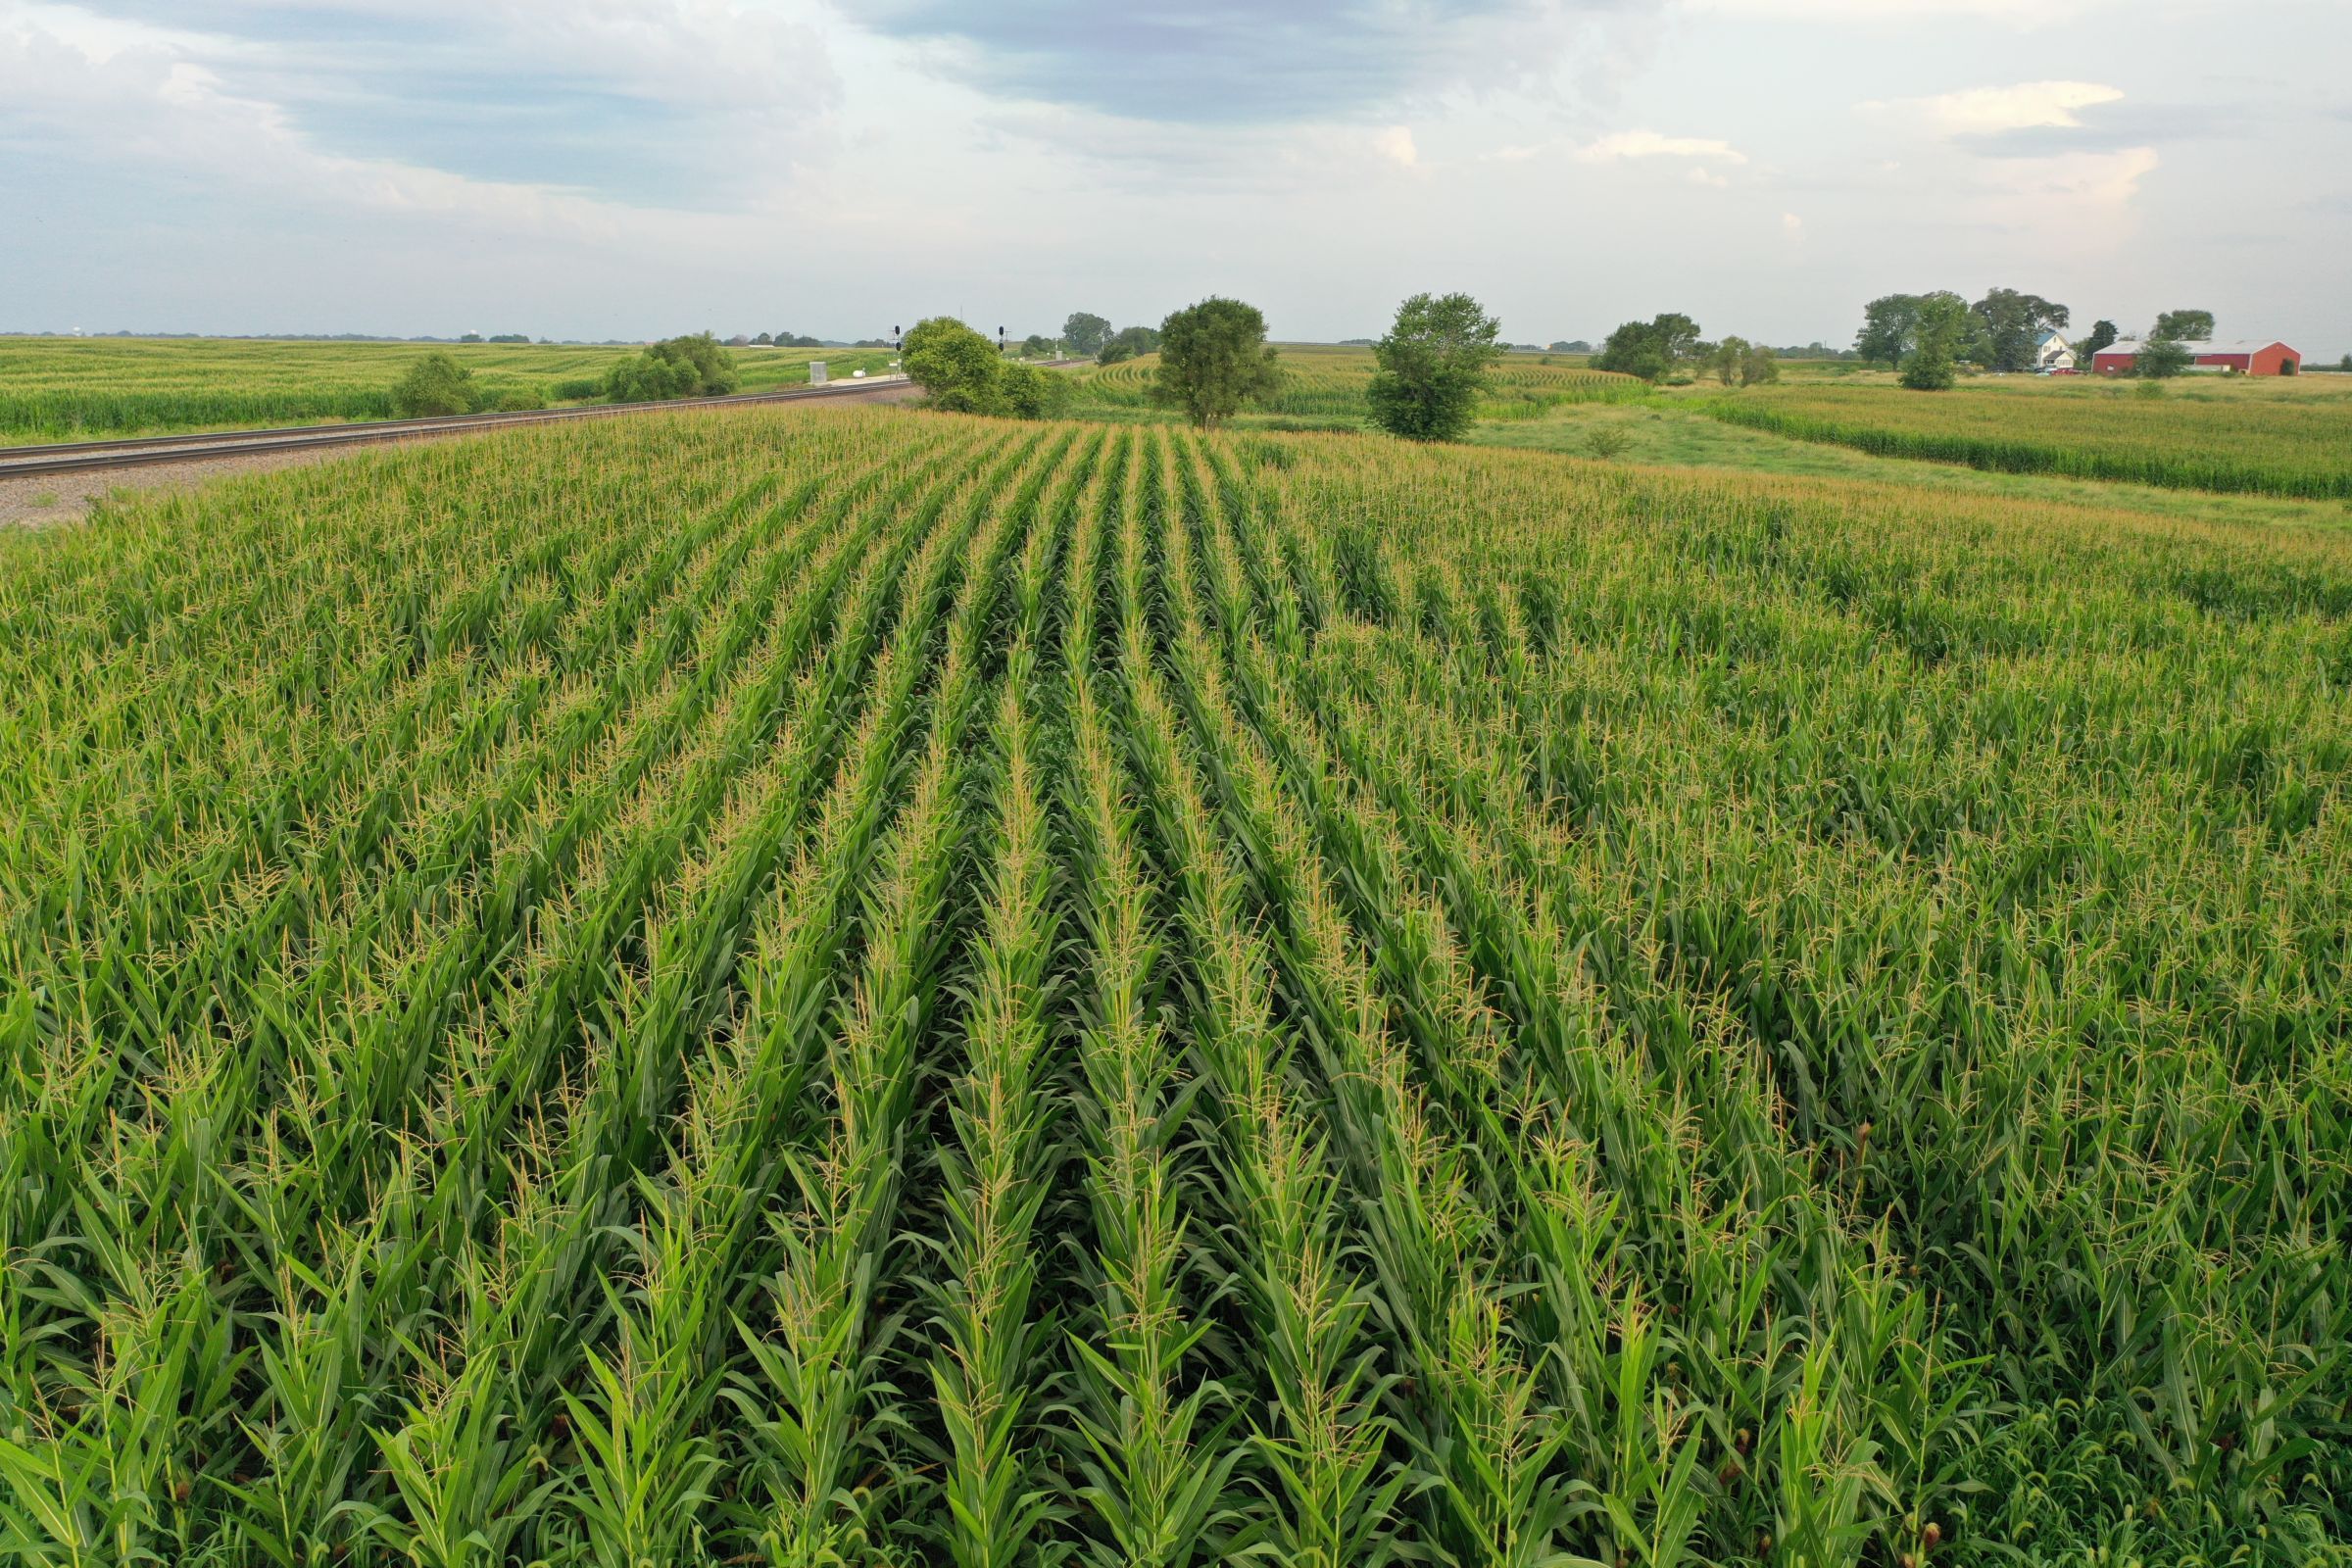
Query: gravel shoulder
{"type": "Point", "coordinates": [52, 500]}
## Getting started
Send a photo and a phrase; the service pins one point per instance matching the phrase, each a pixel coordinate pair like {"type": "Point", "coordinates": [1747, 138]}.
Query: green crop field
{"type": "Point", "coordinates": [2272, 436]}
{"type": "Point", "coordinates": [55, 390]}
{"type": "Point", "coordinates": [862, 987]}
{"type": "Point", "coordinates": [1321, 382]}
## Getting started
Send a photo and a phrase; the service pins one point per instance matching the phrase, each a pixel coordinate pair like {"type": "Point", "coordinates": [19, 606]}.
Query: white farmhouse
{"type": "Point", "coordinates": [2052, 351]}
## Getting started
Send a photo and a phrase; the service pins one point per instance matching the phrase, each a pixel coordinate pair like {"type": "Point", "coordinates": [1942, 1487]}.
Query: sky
{"type": "Point", "coordinates": [625, 168]}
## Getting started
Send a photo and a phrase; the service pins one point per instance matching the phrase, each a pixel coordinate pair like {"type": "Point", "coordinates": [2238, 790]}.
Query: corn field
{"type": "Point", "coordinates": [866, 987]}
{"type": "Point", "coordinates": [1328, 383]}
{"type": "Point", "coordinates": [54, 389]}
{"type": "Point", "coordinates": [2271, 438]}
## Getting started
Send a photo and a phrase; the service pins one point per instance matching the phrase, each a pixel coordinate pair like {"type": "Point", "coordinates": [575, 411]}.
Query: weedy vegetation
{"type": "Point", "coordinates": [55, 390]}
{"type": "Point", "coordinates": [862, 987]}
{"type": "Point", "coordinates": [1320, 382]}
{"type": "Point", "coordinates": [2257, 439]}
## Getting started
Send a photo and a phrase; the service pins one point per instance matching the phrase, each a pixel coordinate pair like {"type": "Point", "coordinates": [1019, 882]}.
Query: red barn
{"type": "Point", "coordinates": [2247, 357]}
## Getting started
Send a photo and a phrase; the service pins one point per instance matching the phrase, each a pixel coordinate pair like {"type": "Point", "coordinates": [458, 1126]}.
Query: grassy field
{"type": "Point", "coordinates": [2287, 437]}
{"type": "Point", "coordinates": [55, 390]}
{"type": "Point", "coordinates": [860, 987]}
{"type": "Point", "coordinates": [1326, 385]}
{"type": "Point", "coordinates": [1672, 431]}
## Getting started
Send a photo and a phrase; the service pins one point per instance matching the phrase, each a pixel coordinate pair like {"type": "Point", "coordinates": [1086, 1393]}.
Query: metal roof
{"type": "Point", "coordinates": [2199, 345]}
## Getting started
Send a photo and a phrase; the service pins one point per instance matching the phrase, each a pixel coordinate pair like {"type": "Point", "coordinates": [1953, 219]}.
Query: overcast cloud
{"type": "Point", "coordinates": [622, 168]}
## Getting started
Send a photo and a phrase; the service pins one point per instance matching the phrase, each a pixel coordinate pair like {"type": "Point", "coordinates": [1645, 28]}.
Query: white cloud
{"type": "Point", "coordinates": [1701, 177]}
{"type": "Point", "coordinates": [1397, 145]}
{"type": "Point", "coordinates": [1989, 110]}
{"type": "Point", "coordinates": [1791, 225]}
{"type": "Point", "coordinates": [1626, 144]}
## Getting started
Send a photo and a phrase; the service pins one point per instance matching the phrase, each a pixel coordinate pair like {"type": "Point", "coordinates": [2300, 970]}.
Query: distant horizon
{"type": "Point", "coordinates": [2314, 359]}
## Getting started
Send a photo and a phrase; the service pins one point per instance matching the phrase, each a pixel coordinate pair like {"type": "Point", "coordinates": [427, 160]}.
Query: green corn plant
{"type": "Point", "coordinates": [1330, 1479]}
{"type": "Point", "coordinates": [1342, 1002]}
{"type": "Point", "coordinates": [1155, 1471]}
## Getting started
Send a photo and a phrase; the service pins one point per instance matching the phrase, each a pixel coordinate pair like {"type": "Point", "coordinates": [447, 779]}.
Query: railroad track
{"type": "Point", "coordinates": [77, 457]}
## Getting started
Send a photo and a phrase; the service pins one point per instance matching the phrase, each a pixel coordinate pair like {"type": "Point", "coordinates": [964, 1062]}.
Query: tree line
{"type": "Point", "coordinates": [1090, 336]}
{"type": "Point", "coordinates": [694, 366]}
{"type": "Point", "coordinates": [1656, 349]}
{"type": "Point", "coordinates": [1928, 337]}
{"type": "Point", "coordinates": [1215, 361]}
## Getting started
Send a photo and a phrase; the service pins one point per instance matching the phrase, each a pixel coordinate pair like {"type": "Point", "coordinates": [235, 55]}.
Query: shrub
{"type": "Point", "coordinates": [576, 389]}
{"type": "Point", "coordinates": [435, 386]}
{"type": "Point", "coordinates": [1027, 392]}
{"type": "Point", "coordinates": [676, 368]}
{"type": "Point", "coordinates": [1607, 441]}
{"type": "Point", "coordinates": [956, 366]}
{"type": "Point", "coordinates": [520, 400]}
{"type": "Point", "coordinates": [963, 373]}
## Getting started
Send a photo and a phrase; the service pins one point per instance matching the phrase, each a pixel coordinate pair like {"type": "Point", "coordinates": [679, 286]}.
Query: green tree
{"type": "Point", "coordinates": [1940, 335]}
{"type": "Point", "coordinates": [1758, 365]}
{"type": "Point", "coordinates": [1729, 356]}
{"type": "Point", "coordinates": [1214, 357]}
{"type": "Point", "coordinates": [2102, 333]}
{"type": "Point", "coordinates": [1677, 333]}
{"type": "Point", "coordinates": [2193, 327]}
{"type": "Point", "coordinates": [1650, 349]}
{"type": "Point", "coordinates": [1085, 333]}
{"type": "Point", "coordinates": [2160, 359]}
{"type": "Point", "coordinates": [698, 365]}
{"type": "Point", "coordinates": [1890, 328]}
{"type": "Point", "coordinates": [2009, 322]}
{"type": "Point", "coordinates": [1433, 364]}
{"type": "Point", "coordinates": [434, 386]}
{"type": "Point", "coordinates": [1036, 345]}
{"type": "Point", "coordinates": [1633, 350]}
{"type": "Point", "coordinates": [956, 366]}
{"type": "Point", "coordinates": [1128, 343]}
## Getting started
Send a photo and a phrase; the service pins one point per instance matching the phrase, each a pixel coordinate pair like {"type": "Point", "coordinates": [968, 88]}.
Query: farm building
{"type": "Point", "coordinates": [2053, 353]}
{"type": "Point", "coordinates": [2247, 356]}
